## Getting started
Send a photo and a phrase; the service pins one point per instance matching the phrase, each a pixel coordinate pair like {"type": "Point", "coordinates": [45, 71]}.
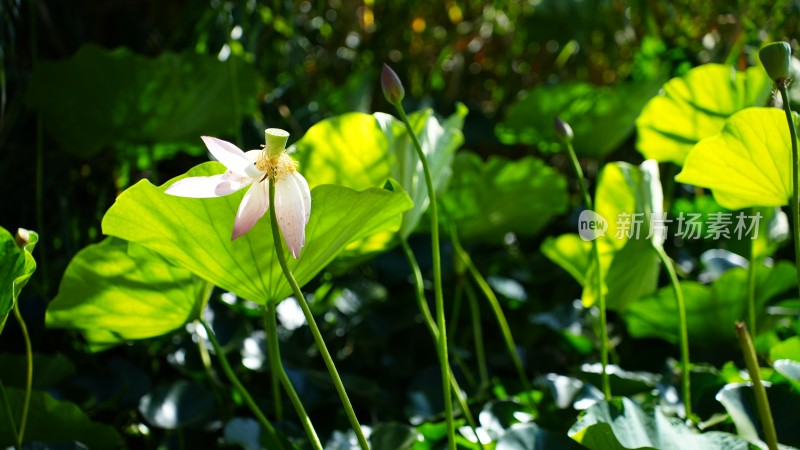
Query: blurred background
{"type": "Point", "coordinates": [96, 95]}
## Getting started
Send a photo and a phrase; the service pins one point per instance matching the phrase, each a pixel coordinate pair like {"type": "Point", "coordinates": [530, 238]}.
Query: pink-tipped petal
{"type": "Point", "coordinates": [291, 213]}
{"type": "Point", "coordinates": [231, 157]}
{"type": "Point", "coordinates": [253, 206]}
{"type": "Point", "coordinates": [208, 187]}
{"type": "Point", "coordinates": [305, 192]}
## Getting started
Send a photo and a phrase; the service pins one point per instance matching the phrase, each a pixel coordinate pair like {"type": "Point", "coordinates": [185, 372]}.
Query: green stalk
{"type": "Point", "coordinates": [437, 280]}
{"type": "Point", "coordinates": [487, 291]}
{"type": "Point", "coordinates": [248, 399]}
{"type": "Point", "coordinates": [762, 403]}
{"type": "Point", "coordinates": [270, 317]}
{"type": "Point", "coordinates": [684, 331]}
{"type": "Point", "coordinates": [477, 329]}
{"type": "Point", "coordinates": [782, 87]}
{"type": "Point", "coordinates": [601, 298]}
{"type": "Point", "coordinates": [28, 375]}
{"type": "Point", "coordinates": [312, 325]}
{"type": "Point", "coordinates": [419, 290]}
{"type": "Point", "coordinates": [271, 327]}
{"type": "Point", "coordinates": [10, 416]}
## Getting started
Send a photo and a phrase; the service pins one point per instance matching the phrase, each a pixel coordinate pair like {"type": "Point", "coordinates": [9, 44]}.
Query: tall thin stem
{"type": "Point", "coordinates": [271, 328]}
{"type": "Point", "coordinates": [782, 87]}
{"type": "Point", "coordinates": [28, 374]}
{"type": "Point", "coordinates": [601, 298]}
{"type": "Point", "coordinates": [434, 332]}
{"type": "Point", "coordinates": [487, 291]}
{"type": "Point", "coordinates": [437, 280]}
{"type": "Point", "coordinates": [683, 331]}
{"type": "Point", "coordinates": [269, 316]}
{"type": "Point", "coordinates": [762, 403]}
{"type": "Point", "coordinates": [312, 324]}
{"type": "Point", "coordinates": [248, 399]}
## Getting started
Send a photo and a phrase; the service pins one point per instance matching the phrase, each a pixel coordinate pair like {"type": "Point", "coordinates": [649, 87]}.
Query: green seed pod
{"type": "Point", "coordinates": [563, 131]}
{"type": "Point", "coordinates": [392, 86]}
{"type": "Point", "coordinates": [777, 60]}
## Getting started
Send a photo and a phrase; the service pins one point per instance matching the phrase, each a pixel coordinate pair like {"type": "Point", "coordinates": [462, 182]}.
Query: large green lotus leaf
{"type": "Point", "coordinates": [621, 424]}
{"type": "Point", "coordinates": [694, 106]}
{"type": "Point", "coordinates": [195, 233]}
{"type": "Point", "coordinates": [622, 191]}
{"type": "Point", "coordinates": [362, 151]}
{"type": "Point", "coordinates": [602, 117]}
{"type": "Point", "coordinates": [101, 98]}
{"type": "Point", "coordinates": [16, 267]}
{"type": "Point", "coordinates": [124, 291]}
{"type": "Point", "coordinates": [54, 421]}
{"type": "Point", "coordinates": [711, 310]}
{"type": "Point", "coordinates": [740, 403]}
{"type": "Point", "coordinates": [487, 199]}
{"type": "Point", "coordinates": [749, 163]}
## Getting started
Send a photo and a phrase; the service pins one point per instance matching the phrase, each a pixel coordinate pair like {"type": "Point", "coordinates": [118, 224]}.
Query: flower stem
{"type": "Point", "coordinates": [795, 186]}
{"type": "Point", "coordinates": [431, 325]}
{"type": "Point", "coordinates": [269, 316]}
{"type": "Point", "coordinates": [601, 298]}
{"type": "Point", "coordinates": [279, 374]}
{"type": "Point", "coordinates": [28, 375]}
{"type": "Point", "coordinates": [683, 330]}
{"type": "Point", "coordinates": [312, 324]}
{"type": "Point", "coordinates": [487, 291]}
{"type": "Point", "coordinates": [762, 403]}
{"type": "Point", "coordinates": [437, 280]}
{"type": "Point", "coordinates": [248, 399]}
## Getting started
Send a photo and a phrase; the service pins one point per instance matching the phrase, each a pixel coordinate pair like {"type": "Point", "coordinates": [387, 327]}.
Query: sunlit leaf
{"type": "Point", "coordinates": [621, 424]}
{"type": "Point", "coordinates": [625, 200]}
{"type": "Point", "coordinates": [195, 234]}
{"type": "Point", "coordinates": [16, 267]}
{"type": "Point", "coordinates": [362, 151]}
{"type": "Point", "coordinates": [107, 98]}
{"type": "Point", "coordinates": [115, 291]}
{"type": "Point", "coordinates": [602, 117]}
{"type": "Point", "coordinates": [54, 421]}
{"type": "Point", "coordinates": [747, 164]}
{"type": "Point", "coordinates": [487, 199]}
{"type": "Point", "coordinates": [694, 106]}
{"type": "Point", "coordinates": [711, 310]}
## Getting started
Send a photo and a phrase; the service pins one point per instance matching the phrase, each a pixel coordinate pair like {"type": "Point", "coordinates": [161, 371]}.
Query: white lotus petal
{"type": "Point", "coordinates": [252, 155]}
{"type": "Point", "coordinates": [302, 184]}
{"type": "Point", "coordinates": [231, 157]}
{"type": "Point", "coordinates": [253, 206]}
{"type": "Point", "coordinates": [290, 210]}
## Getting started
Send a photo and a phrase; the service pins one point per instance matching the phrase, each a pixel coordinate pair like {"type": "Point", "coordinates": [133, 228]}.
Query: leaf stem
{"type": "Point", "coordinates": [601, 298]}
{"type": "Point", "coordinates": [432, 329]}
{"type": "Point", "coordinates": [782, 87]}
{"type": "Point", "coordinates": [487, 291]}
{"type": "Point", "coordinates": [248, 399]}
{"type": "Point", "coordinates": [312, 325]}
{"type": "Point", "coordinates": [762, 403]}
{"type": "Point", "coordinates": [437, 280]}
{"type": "Point", "coordinates": [683, 330]}
{"type": "Point", "coordinates": [28, 375]}
{"type": "Point", "coordinates": [279, 373]}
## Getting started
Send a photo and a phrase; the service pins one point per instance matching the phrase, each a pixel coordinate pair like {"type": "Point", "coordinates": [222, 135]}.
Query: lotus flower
{"type": "Point", "coordinates": [254, 168]}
